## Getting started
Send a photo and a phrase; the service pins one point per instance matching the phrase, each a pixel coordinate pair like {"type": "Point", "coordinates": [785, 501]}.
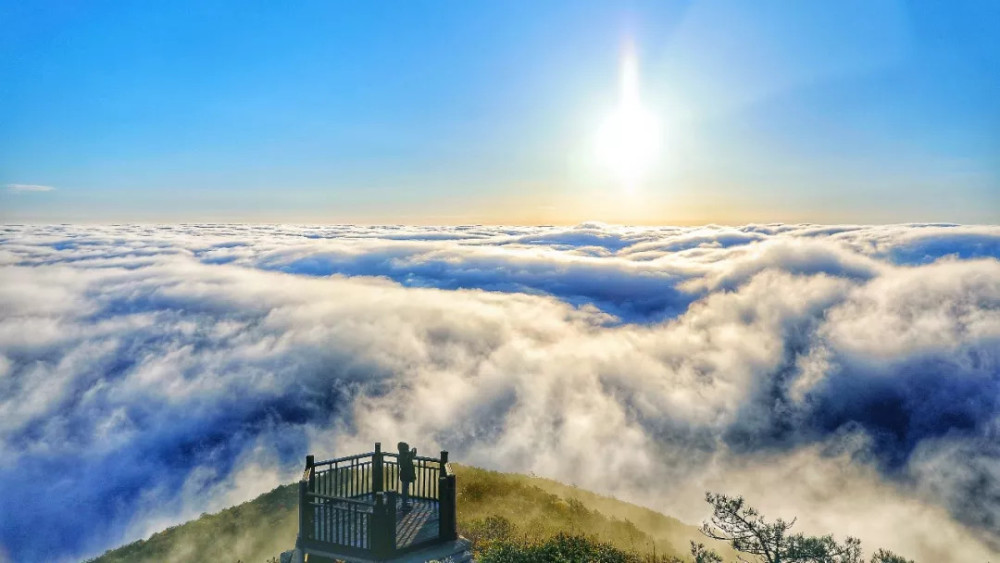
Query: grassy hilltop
{"type": "Point", "coordinates": [490, 504]}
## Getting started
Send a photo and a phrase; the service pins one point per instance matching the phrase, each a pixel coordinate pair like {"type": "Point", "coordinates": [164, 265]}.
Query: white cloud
{"type": "Point", "coordinates": [178, 369]}
{"type": "Point", "coordinates": [22, 188]}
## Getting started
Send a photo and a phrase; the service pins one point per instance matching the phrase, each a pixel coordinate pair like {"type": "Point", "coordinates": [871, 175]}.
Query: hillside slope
{"type": "Point", "coordinates": [535, 508]}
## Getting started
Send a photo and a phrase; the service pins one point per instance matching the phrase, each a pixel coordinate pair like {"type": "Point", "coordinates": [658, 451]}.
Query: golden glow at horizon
{"type": "Point", "coordinates": [629, 140]}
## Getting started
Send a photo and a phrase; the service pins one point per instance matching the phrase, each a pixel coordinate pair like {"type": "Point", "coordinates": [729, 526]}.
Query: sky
{"type": "Point", "coordinates": [749, 248]}
{"type": "Point", "coordinates": [462, 113]}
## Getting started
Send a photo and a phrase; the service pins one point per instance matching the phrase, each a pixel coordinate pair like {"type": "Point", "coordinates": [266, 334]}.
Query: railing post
{"type": "Point", "coordinates": [306, 486]}
{"type": "Point", "coordinates": [310, 463]}
{"type": "Point", "coordinates": [452, 508]}
{"type": "Point", "coordinates": [302, 516]}
{"type": "Point", "coordinates": [378, 481]}
{"type": "Point", "coordinates": [383, 536]}
{"type": "Point", "coordinates": [442, 471]}
{"type": "Point", "coordinates": [442, 509]}
{"type": "Point", "coordinates": [447, 505]}
{"type": "Point", "coordinates": [390, 529]}
{"type": "Point", "coordinates": [378, 526]}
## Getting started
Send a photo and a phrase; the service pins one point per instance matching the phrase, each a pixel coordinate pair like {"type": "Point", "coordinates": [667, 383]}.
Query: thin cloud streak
{"type": "Point", "coordinates": [23, 188]}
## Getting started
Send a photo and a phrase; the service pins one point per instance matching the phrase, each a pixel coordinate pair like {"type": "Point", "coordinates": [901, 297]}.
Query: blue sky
{"type": "Point", "coordinates": [456, 112]}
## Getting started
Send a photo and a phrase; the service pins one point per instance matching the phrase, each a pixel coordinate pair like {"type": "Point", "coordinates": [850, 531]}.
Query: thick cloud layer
{"type": "Point", "coordinates": [848, 375]}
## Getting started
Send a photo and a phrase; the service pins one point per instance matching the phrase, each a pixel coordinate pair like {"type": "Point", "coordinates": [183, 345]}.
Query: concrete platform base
{"type": "Point", "coordinates": [458, 551]}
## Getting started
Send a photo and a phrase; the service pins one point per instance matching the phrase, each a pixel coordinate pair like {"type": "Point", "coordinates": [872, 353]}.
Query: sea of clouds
{"type": "Point", "coordinates": [847, 375]}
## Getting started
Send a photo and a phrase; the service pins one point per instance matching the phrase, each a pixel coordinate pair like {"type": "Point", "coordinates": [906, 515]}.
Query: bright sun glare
{"type": "Point", "coordinates": [628, 142]}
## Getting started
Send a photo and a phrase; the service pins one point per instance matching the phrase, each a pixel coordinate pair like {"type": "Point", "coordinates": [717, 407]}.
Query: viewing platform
{"type": "Point", "coordinates": [352, 509]}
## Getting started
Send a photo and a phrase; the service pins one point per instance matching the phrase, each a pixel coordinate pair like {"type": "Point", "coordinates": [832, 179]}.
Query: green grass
{"type": "Point", "coordinates": [538, 509]}
{"type": "Point", "coordinates": [520, 518]}
{"type": "Point", "coordinates": [254, 531]}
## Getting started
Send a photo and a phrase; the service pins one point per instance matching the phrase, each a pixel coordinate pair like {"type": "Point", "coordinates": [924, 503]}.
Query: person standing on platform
{"type": "Point", "coordinates": [407, 472]}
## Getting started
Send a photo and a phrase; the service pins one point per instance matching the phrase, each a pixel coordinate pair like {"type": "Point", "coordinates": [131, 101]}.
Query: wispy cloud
{"type": "Point", "coordinates": [847, 375]}
{"type": "Point", "coordinates": [23, 188]}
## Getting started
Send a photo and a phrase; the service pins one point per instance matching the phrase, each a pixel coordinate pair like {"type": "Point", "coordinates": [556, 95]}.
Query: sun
{"type": "Point", "coordinates": [629, 140]}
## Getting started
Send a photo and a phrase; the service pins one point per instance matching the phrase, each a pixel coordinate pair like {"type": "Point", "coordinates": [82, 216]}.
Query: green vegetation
{"type": "Point", "coordinates": [530, 510]}
{"type": "Point", "coordinates": [659, 533]}
{"type": "Point", "coordinates": [253, 532]}
{"type": "Point", "coordinates": [748, 532]}
{"type": "Point", "coordinates": [519, 519]}
{"type": "Point", "coordinates": [563, 548]}
{"type": "Point", "coordinates": [732, 521]}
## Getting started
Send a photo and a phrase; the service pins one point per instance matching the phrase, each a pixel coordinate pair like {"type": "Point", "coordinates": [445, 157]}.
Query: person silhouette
{"type": "Point", "coordinates": [407, 472]}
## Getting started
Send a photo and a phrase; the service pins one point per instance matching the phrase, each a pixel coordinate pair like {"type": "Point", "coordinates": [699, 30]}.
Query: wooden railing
{"type": "Point", "coordinates": [340, 522]}
{"type": "Point", "coordinates": [351, 476]}
{"type": "Point", "coordinates": [347, 505]}
{"type": "Point", "coordinates": [427, 470]}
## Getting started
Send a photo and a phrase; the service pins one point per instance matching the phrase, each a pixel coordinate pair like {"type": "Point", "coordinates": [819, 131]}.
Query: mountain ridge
{"type": "Point", "coordinates": [536, 508]}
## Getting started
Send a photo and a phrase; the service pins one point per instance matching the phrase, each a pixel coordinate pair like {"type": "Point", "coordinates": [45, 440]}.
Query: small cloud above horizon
{"type": "Point", "coordinates": [22, 188]}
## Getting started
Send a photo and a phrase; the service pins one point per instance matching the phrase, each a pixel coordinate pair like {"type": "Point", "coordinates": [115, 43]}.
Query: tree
{"type": "Point", "coordinates": [886, 556]}
{"type": "Point", "coordinates": [747, 531]}
{"type": "Point", "coordinates": [702, 554]}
